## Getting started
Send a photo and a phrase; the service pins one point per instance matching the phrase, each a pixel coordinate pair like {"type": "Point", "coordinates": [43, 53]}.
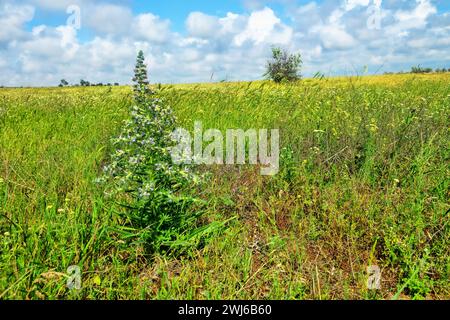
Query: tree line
{"type": "Point", "coordinates": [84, 83]}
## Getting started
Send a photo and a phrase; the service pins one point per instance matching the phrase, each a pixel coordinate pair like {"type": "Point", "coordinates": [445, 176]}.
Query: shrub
{"type": "Point", "coordinates": [142, 174]}
{"type": "Point", "coordinates": [283, 66]}
{"type": "Point", "coordinates": [419, 69]}
{"type": "Point", "coordinates": [63, 83]}
{"type": "Point", "coordinates": [84, 83]}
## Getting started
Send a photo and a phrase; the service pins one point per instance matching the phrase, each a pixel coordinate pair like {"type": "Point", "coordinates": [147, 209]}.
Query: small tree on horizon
{"type": "Point", "coordinates": [84, 83]}
{"type": "Point", "coordinates": [284, 66]}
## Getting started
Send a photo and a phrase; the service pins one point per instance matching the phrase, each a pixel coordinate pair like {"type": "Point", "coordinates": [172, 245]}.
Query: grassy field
{"type": "Point", "coordinates": [364, 181]}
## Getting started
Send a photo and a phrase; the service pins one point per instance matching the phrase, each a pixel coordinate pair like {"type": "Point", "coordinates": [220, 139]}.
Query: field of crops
{"type": "Point", "coordinates": [364, 181]}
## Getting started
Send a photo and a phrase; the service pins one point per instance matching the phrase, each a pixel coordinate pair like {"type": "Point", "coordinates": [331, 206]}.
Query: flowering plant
{"type": "Point", "coordinates": [142, 168]}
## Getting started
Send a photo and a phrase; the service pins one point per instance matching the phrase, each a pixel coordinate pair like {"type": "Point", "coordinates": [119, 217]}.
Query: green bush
{"type": "Point", "coordinates": [284, 67]}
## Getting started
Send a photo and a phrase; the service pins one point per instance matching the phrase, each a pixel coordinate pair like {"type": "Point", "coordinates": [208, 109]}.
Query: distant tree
{"type": "Point", "coordinates": [319, 75]}
{"type": "Point", "coordinates": [283, 66]}
{"type": "Point", "coordinates": [84, 83]}
{"type": "Point", "coordinates": [63, 83]}
{"type": "Point", "coordinates": [419, 69]}
{"type": "Point", "coordinates": [116, 84]}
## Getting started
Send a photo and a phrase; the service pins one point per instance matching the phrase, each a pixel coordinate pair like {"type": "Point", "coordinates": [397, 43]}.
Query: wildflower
{"type": "Point", "coordinates": [99, 180]}
{"type": "Point", "coordinates": [142, 165]}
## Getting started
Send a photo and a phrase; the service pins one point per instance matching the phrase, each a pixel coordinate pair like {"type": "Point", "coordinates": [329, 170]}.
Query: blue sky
{"type": "Point", "coordinates": [189, 41]}
{"type": "Point", "coordinates": [175, 10]}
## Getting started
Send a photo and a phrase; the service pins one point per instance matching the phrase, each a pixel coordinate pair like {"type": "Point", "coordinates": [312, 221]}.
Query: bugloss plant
{"type": "Point", "coordinates": [142, 173]}
{"type": "Point", "coordinates": [284, 66]}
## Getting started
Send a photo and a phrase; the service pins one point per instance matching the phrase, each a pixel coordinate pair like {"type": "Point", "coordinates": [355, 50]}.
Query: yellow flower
{"type": "Point", "coordinates": [97, 280]}
{"type": "Point", "coordinates": [373, 127]}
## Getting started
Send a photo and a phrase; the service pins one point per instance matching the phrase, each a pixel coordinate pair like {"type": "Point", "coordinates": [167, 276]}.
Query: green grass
{"type": "Point", "coordinates": [364, 181]}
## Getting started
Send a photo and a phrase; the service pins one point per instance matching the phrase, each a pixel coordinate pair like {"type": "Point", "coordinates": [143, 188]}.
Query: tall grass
{"type": "Point", "coordinates": [364, 181]}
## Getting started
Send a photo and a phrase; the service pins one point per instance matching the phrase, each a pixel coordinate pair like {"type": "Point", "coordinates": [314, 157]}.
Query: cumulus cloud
{"type": "Point", "coordinates": [107, 18]}
{"type": "Point", "coordinates": [332, 36]}
{"type": "Point", "coordinates": [407, 31]}
{"type": "Point", "coordinates": [202, 25]}
{"type": "Point", "coordinates": [351, 4]}
{"type": "Point", "coordinates": [417, 18]}
{"type": "Point", "coordinates": [265, 26]}
{"type": "Point", "coordinates": [149, 27]}
{"type": "Point", "coordinates": [12, 20]}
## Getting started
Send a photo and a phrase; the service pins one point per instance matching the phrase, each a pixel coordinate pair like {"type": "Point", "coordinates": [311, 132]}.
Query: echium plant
{"type": "Point", "coordinates": [142, 173]}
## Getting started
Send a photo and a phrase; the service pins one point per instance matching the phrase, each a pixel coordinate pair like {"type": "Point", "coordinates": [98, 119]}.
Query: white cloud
{"type": "Point", "coordinates": [151, 28]}
{"type": "Point", "coordinates": [232, 23]}
{"type": "Point", "coordinates": [264, 26]}
{"type": "Point", "coordinates": [202, 25]}
{"type": "Point", "coordinates": [332, 36]}
{"type": "Point", "coordinates": [107, 18]}
{"type": "Point", "coordinates": [351, 4]}
{"type": "Point", "coordinates": [419, 14]}
{"type": "Point", "coordinates": [333, 33]}
{"type": "Point", "coordinates": [57, 5]}
{"type": "Point", "coordinates": [413, 19]}
{"type": "Point", "coordinates": [12, 20]}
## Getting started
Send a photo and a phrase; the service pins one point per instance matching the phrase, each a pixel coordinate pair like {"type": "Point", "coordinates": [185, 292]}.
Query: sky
{"type": "Point", "coordinates": [185, 41]}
